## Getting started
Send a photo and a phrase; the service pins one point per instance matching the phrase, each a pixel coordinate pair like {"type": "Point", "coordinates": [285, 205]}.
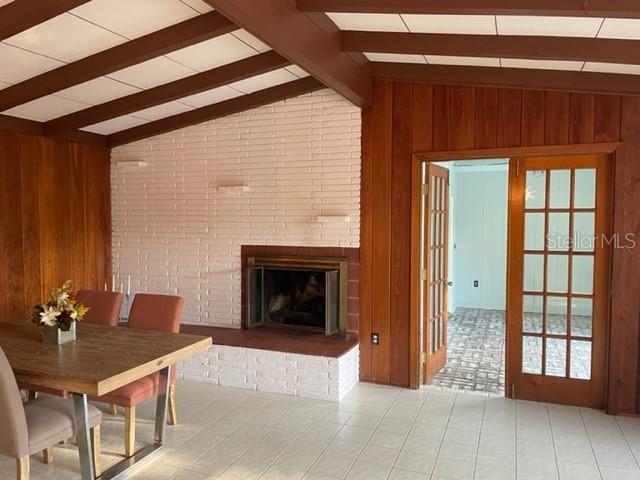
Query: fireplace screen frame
{"type": "Point", "coordinates": [336, 271]}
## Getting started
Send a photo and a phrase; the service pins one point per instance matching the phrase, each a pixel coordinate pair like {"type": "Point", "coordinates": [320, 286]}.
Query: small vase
{"type": "Point", "coordinates": [55, 336]}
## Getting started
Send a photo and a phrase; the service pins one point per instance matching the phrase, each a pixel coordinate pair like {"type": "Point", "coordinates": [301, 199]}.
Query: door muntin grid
{"type": "Point", "coordinates": [437, 275]}
{"type": "Point", "coordinates": [558, 274]}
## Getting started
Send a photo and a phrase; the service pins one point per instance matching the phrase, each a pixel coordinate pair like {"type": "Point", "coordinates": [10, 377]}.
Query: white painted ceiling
{"type": "Point", "coordinates": [102, 24]}
{"type": "Point", "coordinates": [587, 27]}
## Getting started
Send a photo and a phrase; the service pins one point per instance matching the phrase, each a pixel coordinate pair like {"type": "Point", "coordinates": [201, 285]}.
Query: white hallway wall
{"type": "Point", "coordinates": [173, 232]}
{"type": "Point", "coordinates": [480, 236]}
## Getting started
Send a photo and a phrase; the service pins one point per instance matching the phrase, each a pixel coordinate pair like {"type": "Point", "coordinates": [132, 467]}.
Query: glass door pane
{"type": "Point", "coordinates": [558, 311]}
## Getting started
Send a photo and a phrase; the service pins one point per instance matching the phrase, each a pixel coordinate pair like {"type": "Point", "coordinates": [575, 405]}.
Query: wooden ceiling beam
{"type": "Point", "coordinates": [217, 110]}
{"type": "Point", "coordinates": [21, 15]}
{"type": "Point", "coordinates": [300, 39]}
{"type": "Point", "coordinates": [184, 34]}
{"type": "Point", "coordinates": [530, 47]}
{"type": "Point", "coordinates": [30, 127]}
{"type": "Point", "coordinates": [571, 8]}
{"type": "Point", "coordinates": [200, 82]}
{"type": "Point", "coordinates": [556, 80]}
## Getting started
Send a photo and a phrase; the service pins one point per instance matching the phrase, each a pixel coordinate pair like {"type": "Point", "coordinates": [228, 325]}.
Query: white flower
{"type": "Point", "coordinates": [62, 298]}
{"type": "Point", "coordinates": [73, 314]}
{"type": "Point", "coordinates": [48, 317]}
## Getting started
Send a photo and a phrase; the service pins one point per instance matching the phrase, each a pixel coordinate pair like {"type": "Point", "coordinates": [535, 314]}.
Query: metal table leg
{"type": "Point", "coordinates": [83, 437]}
{"type": "Point", "coordinates": [158, 440]}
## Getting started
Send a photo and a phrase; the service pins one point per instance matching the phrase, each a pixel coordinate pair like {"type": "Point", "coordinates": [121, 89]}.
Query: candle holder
{"type": "Point", "coordinates": [126, 308]}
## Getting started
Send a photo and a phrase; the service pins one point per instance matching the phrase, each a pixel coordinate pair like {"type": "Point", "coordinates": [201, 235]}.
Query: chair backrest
{"type": "Point", "coordinates": [104, 307]}
{"type": "Point", "coordinates": [156, 312]}
{"type": "Point", "coordinates": [14, 437]}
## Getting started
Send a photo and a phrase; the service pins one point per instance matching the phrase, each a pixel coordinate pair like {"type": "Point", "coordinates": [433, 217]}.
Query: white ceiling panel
{"type": "Point", "coordinates": [469, 24]}
{"type": "Point", "coordinates": [542, 64]}
{"type": "Point", "coordinates": [152, 73]}
{"type": "Point", "coordinates": [199, 5]}
{"type": "Point", "coordinates": [137, 18]}
{"type": "Point", "coordinates": [264, 80]}
{"type": "Point", "coordinates": [611, 68]}
{"type": "Point", "coordinates": [466, 61]}
{"type": "Point", "coordinates": [99, 90]}
{"type": "Point", "coordinates": [252, 41]}
{"type": "Point", "coordinates": [549, 26]}
{"type": "Point", "coordinates": [46, 108]}
{"type": "Point", "coordinates": [213, 53]}
{"type": "Point", "coordinates": [161, 111]}
{"type": "Point", "coordinates": [4, 85]}
{"type": "Point", "coordinates": [297, 71]}
{"type": "Point", "coordinates": [212, 96]}
{"type": "Point", "coordinates": [5, 2]}
{"type": "Point", "coordinates": [66, 38]}
{"type": "Point", "coordinates": [395, 57]}
{"type": "Point", "coordinates": [379, 22]}
{"type": "Point", "coordinates": [623, 28]}
{"type": "Point", "coordinates": [17, 65]}
{"type": "Point", "coordinates": [115, 125]}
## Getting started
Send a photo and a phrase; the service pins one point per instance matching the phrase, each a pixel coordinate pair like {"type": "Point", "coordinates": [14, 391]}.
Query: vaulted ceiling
{"type": "Point", "coordinates": [114, 71]}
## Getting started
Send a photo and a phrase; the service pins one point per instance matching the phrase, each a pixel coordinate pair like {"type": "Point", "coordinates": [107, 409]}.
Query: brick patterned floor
{"type": "Point", "coordinates": [475, 352]}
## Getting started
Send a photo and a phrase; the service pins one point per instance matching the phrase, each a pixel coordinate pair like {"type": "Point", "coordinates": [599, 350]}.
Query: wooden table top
{"type": "Point", "coordinates": [101, 359]}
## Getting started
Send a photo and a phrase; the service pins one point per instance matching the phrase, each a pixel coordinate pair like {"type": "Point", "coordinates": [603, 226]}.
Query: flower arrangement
{"type": "Point", "coordinates": [60, 310]}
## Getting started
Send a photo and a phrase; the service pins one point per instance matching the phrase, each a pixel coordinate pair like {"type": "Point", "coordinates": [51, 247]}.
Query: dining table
{"type": "Point", "coordinates": [100, 360]}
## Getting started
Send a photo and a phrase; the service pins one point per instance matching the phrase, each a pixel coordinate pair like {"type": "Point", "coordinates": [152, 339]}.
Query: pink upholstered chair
{"type": "Point", "coordinates": [148, 312]}
{"type": "Point", "coordinates": [38, 424]}
{"type": "Point", "coordinates": [104, 307]}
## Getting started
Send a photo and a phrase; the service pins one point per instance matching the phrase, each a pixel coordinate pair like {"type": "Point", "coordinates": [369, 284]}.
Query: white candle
{"type": "Point", "coordinates": [121, 287]}
{"type": "Point", "coordinates": [113, 282]}
{"type": "Point", "coordinates": [128, 284]}
{"type": "Point", "coordinates": [105, 286]}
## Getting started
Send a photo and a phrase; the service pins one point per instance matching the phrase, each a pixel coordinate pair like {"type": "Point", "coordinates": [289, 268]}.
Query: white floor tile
{"type": "Point", "coordinates": [368, 471]}
{"type": "Point", "coordinates": [378, 433]}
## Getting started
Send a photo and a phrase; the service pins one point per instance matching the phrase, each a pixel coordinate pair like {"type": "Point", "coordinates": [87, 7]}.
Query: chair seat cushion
{"type": "Point", "coordinates": [136, 392]}
{"type": "Point", "coordinates": [133, 393]}
{"type": "Point", "coordinates": [51, 419]}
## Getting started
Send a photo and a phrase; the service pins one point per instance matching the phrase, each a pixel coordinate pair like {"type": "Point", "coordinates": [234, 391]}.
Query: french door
{"type": "Point", "coordinates": [558, 279]}
{"type": "Point", "coordinates": [434, 228]}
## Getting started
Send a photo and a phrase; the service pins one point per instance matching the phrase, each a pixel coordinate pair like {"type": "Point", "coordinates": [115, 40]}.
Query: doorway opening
{"type": "Point", "coordinates": [511, 278]}
{"type": "Point", "coordinates": [474, 257]}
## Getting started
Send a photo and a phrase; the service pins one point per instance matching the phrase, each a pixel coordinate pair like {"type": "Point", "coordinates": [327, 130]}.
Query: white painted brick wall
{"type": "Point", "coordinates": [173, 233]}
{"type": "Point", "coordinates": [308, 376]}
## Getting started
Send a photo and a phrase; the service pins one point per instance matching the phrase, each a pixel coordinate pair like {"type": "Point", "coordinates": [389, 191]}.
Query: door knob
{"type": "Point", "coordinates": [449, 284]}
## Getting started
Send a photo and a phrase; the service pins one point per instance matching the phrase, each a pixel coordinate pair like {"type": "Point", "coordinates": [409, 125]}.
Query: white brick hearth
{"type": "Point", "coordinates": [308, 376]}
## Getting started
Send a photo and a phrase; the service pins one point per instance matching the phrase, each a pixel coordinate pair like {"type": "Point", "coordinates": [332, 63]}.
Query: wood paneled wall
{"type": "Point", "coordinates": [407, 118]}
{"type": "Point", "coordinates": [55, 219]}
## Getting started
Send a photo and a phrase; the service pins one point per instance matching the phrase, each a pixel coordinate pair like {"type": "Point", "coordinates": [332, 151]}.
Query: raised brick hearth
{"type": "Point", "coordinates": [326, 368]}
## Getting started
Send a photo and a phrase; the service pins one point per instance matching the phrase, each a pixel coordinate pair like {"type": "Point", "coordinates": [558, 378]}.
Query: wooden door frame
{"type": "Point", "coordinates": [612, 149]}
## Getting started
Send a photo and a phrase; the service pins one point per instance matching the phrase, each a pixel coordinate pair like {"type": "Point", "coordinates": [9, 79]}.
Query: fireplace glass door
{"type": "Point", "coordinates": [294, 298]}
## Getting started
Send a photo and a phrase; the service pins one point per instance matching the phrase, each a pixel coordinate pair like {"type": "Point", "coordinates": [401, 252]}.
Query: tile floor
{"type": "Point", "coordinates": [475, 351]}
{"type": "Point", "coordinates": [376, 433]}
{"type": "Point", "coordinates": [476, 346]}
